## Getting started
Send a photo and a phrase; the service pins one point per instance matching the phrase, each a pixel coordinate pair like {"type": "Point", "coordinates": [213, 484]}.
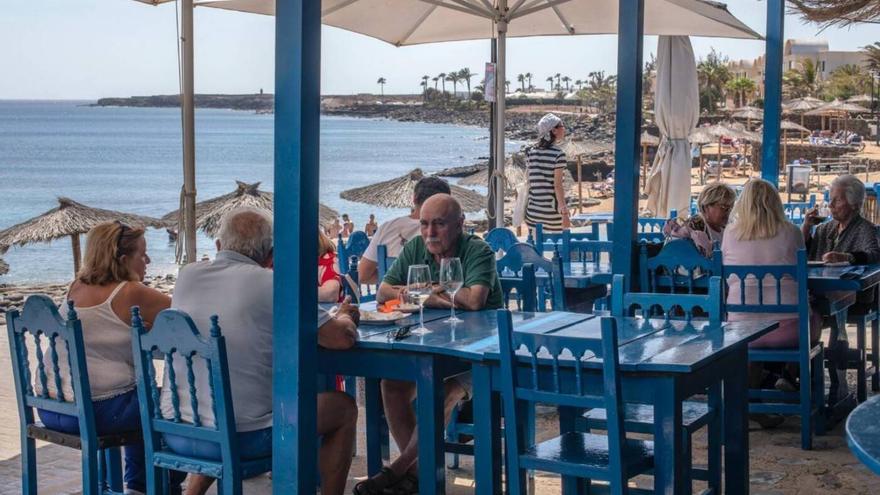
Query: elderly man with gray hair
{"type": "Point", "coordinates": [848, 236]}
{"type": "Point", "coordinates": [237, 286]}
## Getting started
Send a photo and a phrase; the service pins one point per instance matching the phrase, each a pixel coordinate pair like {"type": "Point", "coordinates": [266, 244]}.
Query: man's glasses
{"type": "Point", "coordinates": [400, 333]}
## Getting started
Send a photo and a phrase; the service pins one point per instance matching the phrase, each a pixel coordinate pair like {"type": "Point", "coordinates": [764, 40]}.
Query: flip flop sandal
{"type": "Point", "coordinates": [406, 485]}
{"type": "Point", "coordinates": [377, 484]}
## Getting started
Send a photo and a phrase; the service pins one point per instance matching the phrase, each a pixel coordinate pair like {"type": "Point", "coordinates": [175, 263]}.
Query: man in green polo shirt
{"type": "Point", "coordinates": [442, 236]}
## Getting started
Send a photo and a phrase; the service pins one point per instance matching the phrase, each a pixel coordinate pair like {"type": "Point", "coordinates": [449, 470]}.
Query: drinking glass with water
{"type": "Point", "coordinates": [451, 279]}
{"type": "Point", "coordinates": [418, 286]}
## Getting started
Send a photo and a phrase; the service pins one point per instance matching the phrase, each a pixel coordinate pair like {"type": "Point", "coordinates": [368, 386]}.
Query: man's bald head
{"type": "Point", "coordinates": [247, 231]}
{"type": "Point", "coordinates": [441, 222]}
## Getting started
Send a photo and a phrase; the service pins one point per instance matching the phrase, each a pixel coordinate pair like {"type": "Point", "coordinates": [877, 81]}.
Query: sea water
{"type": "Point", "coordinates": [129, 159]}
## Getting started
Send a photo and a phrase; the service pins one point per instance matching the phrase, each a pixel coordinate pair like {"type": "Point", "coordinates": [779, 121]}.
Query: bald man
{"type": "Point", "coordinates": [441, 226]}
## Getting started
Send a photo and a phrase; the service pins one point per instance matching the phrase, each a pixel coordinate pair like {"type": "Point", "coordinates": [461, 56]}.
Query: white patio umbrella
{"type": "Point", "coordinates": [412, 22]}
{"type": "Point", "coordinates": [677, 111]}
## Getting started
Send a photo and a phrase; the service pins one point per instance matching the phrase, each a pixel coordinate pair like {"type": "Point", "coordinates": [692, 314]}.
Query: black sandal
{"type": "Point", "coordinates": [377, 484]}
{"type": "Point", "coordinates": [406, 485]}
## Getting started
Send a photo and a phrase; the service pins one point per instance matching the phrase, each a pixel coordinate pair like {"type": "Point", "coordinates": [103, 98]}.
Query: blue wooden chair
{"type": "Point", "coordinates": [678, 267]}
{"type": "Point", "coordinates": [639, 418]}
{"type": "Point", "coordinates": [550, 288]}
{"type": "Point", "coordinates": [554, 242]}
{"type": "Point", "coordinates": [795, 210]}
{"type": "Point", "coordinates": [383, 261]}
{"type": "Point", "coordinates": [52, 336]}
{"type": "Point", "coordinates": [500, 239]}
{"type": "Point", "coordinates": [355, 247]}
{"type": "Point", "coordinates": [521, 292]}
{"type": "Point", "coordinates": [538, 377]}
{"type": "Point", "coordinates": [174, 336]}
{"type": "Point", "coordinates": [807, 402]}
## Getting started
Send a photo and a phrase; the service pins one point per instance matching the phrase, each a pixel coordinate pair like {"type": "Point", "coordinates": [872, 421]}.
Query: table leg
{"type": "Point", "coordinates": [432, 471]}
{"type": "Point", "coordinates": [668, 444]}
{"type": "Point", "coordinates": [571, 485]}
{"type": "Point", "coordinates": [487, 434]}
{"type": "Point", "coordinates": [736, 427]}
{"type": "Point", "coordinates": [373, 409]}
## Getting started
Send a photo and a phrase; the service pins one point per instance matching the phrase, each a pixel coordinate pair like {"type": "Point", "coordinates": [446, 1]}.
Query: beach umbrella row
{"type": "Point", "coordinates": [71, 219]}
{"type": "Point", "coordinates": [398, 193]}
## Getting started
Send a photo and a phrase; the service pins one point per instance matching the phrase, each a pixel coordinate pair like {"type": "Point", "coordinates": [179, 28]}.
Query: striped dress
{"type": "Point", "coordinates": [542, 207]}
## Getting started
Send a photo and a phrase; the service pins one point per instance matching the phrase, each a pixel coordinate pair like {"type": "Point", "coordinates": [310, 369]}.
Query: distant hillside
{"type": "Point", "coordinates": [254, 102]}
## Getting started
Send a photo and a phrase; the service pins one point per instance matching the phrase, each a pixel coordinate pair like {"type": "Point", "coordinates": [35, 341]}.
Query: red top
{"type": "Point", "coordinates": [327, 271]}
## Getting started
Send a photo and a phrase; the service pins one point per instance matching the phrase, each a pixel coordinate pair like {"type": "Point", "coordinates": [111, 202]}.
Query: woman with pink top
{"type": "Point", "coordinates": [762, 235]}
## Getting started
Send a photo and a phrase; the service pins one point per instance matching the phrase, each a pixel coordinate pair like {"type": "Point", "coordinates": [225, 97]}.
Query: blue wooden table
{"type": "Point", "coordinates": [598, 217]}
{"type": "Point", "coordinates": [661, 364]}
{"type": "Point", "coordinates": [863, 433]}
{"type": "Point", "coordinates": [843, 278]}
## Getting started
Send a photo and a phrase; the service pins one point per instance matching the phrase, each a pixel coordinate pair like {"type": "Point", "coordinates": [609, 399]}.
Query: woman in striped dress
{"type": "Point", "coordinates": [546, 162]}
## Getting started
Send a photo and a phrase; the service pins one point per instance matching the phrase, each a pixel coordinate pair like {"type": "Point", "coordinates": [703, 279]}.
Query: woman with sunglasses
{"type": "Point", "coordinates": [108, 284]}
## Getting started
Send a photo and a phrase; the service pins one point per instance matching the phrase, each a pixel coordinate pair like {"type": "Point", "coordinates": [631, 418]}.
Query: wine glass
{"type": "Point", "coordinates": [451, 279]}
{"type": "Point", "coordinates": [418, 285]}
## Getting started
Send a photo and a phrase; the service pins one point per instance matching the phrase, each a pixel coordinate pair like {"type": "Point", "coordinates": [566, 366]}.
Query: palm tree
{"type": "Point", "coordinates": [802, 81]}
{"type": "Point", "coordinates": [742, 88]}
{"type": "Point", "coordinates": [381, 82]}
{"type": "Point", "coordinates": [601, 90]}
{"type": "Point", "coordinates": [550, 80]}
{"type": "Point", "coordinates": [567, 80]}
{"type": "Point", "coordinates": [579, 84]}
{"type": "Point", "coordinates": [466, 75]}
{"type": "Point", "coordinates": [848, 80]}
{"type": "Point", "coordinates": [648, 76]}
{"type": "Point", "coordinates": [453, 77]}
{"type": "Point", "coordinates": [872, 55]}
{"type": "Point", "coordinates": [713, 75]}
{"type": "Point", "coordinates": [558, 84]}
{"type": "Point", "coordinates": [436, 80]}
{"type": "Point", "coordinates": [507, 86]}
{"type": "Point", "coordinates": [442, 77]}
{"type": "Point", "coordinates": [529, 77]}
{"type": "Point", "coordinates": [424, 85]}
{"type": "Point", "coordinates": [521, 79]}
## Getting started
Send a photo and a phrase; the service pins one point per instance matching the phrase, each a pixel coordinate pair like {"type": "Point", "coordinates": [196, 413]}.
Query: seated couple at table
{"type": "Point", "coordinates": [442, 236]}
{"type": "Point", "coordinates": [111, 282]}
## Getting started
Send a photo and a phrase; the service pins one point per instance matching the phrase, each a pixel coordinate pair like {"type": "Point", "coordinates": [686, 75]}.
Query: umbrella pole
{"type": "Point", "coordinates": [501, 27]}
{"type": "Point", "coordinates": [580, 187]}
{"type": "Point", "coordinates": [802, 125]}
{"type": "Point", "coordinates": [74, 243]}
{"type": "Point", "coordinates": [189, 141]}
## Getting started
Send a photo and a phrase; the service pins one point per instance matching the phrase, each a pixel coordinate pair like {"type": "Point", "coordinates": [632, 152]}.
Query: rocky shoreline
{"type": "Point", "coordinates": [12, 296]}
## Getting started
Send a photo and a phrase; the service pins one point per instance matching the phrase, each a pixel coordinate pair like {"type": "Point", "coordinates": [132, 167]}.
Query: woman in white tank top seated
{"type": "Point", "coordinates": [109, 283]}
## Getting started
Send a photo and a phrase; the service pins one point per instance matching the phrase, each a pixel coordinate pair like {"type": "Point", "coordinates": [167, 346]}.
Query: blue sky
{"type": "Point", "coordinates": [85, 49]}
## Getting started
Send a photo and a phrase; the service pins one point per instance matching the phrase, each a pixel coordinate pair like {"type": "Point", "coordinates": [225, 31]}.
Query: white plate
{"type": "Point", "coordinates": [377, 318]}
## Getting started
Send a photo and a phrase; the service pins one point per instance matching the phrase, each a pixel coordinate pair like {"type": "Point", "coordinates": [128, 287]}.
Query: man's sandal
{"type": "Point", "coordinates": [377, 484]}
{"type": "Point", "coordinates": [406, 485]}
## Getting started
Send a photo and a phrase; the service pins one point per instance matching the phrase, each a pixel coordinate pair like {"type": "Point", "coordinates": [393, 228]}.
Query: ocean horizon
{"type": "Point", "coordinates": [129, 159]}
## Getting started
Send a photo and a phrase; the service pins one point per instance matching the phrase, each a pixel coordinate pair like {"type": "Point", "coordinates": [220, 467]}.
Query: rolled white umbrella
{"type": "Point", "coordinates": [677, 111]}
{"type": "Point", "coordinates": [413, 22]}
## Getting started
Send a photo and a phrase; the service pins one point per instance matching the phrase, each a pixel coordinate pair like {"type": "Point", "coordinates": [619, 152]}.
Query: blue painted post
{"type": "Point", "coordinates": [297, 122]}
{"type": "Point", "coordinates": [630, 37]}
{"type": "Point", "coordinates": [773, 90]}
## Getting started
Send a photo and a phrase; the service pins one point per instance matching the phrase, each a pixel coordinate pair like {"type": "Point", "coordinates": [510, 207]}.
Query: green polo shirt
{"type": "Point", "coordinates": [477, 263]}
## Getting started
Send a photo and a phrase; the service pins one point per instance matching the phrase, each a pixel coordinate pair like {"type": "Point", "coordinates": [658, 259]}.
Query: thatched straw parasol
{"type": "Point", "coordinates": [787, 125]}
{"type": "Point", "coordinates": [749, 113]}
{"type": "Point", "coordinates": [803, 105]}
{"type": "Point", "coordinates": [838, 108]}
{"type": "Point", "coordinates": [398, 193]}
{"type": "Point", "coordinates": [4, 267]}
{"type": "Point", "coordinates": [837, 12]}
{"type": "Point", "coordinates": [209, 213]}
{"type": "Point", "coordinates": [859, 99]}
{"type": "Point", "coordinates": [68, 219]}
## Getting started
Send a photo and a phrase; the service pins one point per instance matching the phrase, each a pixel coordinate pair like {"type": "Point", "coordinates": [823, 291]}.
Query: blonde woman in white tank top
{"type": "Point", "coordinates": [109, 283]}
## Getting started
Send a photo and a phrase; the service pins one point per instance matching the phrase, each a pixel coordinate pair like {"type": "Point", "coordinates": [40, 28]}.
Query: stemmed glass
{"type": "Point", "coordinates": [451, 279]}
{"type": "Point", "coordinates": [418, 285]}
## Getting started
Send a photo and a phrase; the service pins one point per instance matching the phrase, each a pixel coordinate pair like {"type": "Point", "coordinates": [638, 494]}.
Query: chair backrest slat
{"type": "Point", "coordinates": [383, 261]}
{"type": "Point", "coordinates": [551, 287]}
{"type": "Point", "coordinates": [500, 239]}
{"type": "Point", "coordinates": [56, 369]}
{"type": "Point", "coordinates": [175, 333]}
{"type": "Point", "coordinates": [710, 303]}
{"type": "Point", "coordinates": [678, 265]}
